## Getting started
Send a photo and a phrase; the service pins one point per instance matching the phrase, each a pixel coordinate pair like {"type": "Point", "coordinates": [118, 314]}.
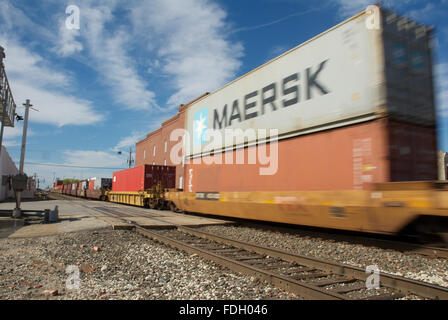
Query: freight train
{"type": "Point", "coordinates": [93, 188]}
{"type": "Point", "coordinates": [338, 132]}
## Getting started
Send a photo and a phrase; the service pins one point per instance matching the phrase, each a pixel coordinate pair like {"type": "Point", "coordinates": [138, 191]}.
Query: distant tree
{"type": "Point", "coordinates": [69, 181]}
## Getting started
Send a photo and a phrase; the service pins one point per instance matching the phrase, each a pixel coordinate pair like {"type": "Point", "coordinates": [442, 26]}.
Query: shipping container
{"type": "Point", "coordinates": [143, 177]}
{"type": "Point", "coordinates": [98, 183]}
{"type": "Point", "coordinates": [73, 190]}
{"type": "Point", "coordinates": [347, 158]}
{"type": "Point", "coordinates": [352, 106]}
{"type": "Point", "coordinates": [102, 183]}
{"type": "Point", "coordinates": [352, 73]}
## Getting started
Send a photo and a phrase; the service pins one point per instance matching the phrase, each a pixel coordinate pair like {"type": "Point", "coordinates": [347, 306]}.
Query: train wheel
{"type": "Point", "coordinates": [152, 204]}
{"type": "Point", "coordinates": [173, 206]}
{"type": "Point", "coordinates": [159, 205]}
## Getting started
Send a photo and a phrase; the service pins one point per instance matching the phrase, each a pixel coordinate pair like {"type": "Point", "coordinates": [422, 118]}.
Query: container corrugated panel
{"type": "Point", "coordinates": [413, 152]}
{"type": "Point", "coordinates": [132, 179]}
{"type": "Point", "coordinates": [408, 70]}
{"type": "Point", "coordinates": [91, 183]}
{"type": "Point", "coordinates": [351, 157]}
{"type": "Point", "coordinates": [143, 177]}
{"type": "Point", "coordinates": [346, 75]}
{"type": "Point", "coordinates": [331, 80]}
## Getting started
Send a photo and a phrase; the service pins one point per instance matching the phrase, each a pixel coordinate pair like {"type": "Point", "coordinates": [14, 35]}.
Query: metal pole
{"type": "Point", "coordinates": [3, 121]}
{"type": "Point", "coordinates": [25, 127]}
{"type": "Point", "coordinates": [22, 155]}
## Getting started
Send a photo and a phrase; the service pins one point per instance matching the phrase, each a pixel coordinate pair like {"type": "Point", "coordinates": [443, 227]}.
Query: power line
{"type": "Point", "coordinates": [298, 13]}
{"type": "Point", "coordinates": [70, 166]}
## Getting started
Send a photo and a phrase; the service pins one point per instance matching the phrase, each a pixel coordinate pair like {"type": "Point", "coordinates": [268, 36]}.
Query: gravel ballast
{"type": "Point", "coordinates": [117, 265]}
{"type": "Point", "coordinates": [411, 266]}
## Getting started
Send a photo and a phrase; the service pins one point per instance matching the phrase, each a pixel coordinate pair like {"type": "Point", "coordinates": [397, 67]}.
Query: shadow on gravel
{"type": "Point", "coordinates": [9, 226]}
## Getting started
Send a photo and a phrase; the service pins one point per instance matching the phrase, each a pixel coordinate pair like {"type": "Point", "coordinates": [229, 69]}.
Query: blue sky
{"type": "Point", "coordinates": [101, 88]}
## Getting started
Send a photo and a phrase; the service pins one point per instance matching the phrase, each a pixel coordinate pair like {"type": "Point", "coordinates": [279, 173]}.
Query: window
{"type": "Point", "coordinates": [181, 184]}
{"type": "Point", "coordinates": [164, 162]}
{"type": "Point", "coordinates": [154, 151]}
{"type": "Point", "coordinates": [166, 145]}
{"type": "Point", "coordinates": [144, 154]}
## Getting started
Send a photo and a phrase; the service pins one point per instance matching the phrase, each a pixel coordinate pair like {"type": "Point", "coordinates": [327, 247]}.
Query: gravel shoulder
{"type": "Point", "coordinates": [411, 266]}
{"type": "Point", "coordinates": [117, 265]}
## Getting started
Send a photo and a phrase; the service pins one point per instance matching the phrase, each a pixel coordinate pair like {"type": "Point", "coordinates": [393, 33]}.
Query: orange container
{"type": "Point", "coordinates": [346, 158]}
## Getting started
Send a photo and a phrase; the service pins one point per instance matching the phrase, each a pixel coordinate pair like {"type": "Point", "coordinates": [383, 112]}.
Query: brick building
{"type": "Point", "coordinates": [156, 148]}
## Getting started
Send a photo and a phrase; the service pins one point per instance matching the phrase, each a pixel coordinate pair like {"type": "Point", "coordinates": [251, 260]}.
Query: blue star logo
{"type": "Point", "coordinates": [200, 126]}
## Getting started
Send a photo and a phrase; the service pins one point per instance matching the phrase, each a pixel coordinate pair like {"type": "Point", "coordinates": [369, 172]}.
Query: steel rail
{"type": "Point", "coordinates": [399, 283]}
{"type": "Point", "coordinates": [404, 247]}
{"type": "Point", "coordinates": [302, 289]}
{"type": "Point", "coordinates": [288, 284]}
{"type": "Point", "coordinates": [420, 288]}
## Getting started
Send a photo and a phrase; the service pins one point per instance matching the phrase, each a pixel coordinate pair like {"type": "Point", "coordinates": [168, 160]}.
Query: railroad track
{"type": "Point", "coordinates": [427, 250]}
{"type": "Point", "coordinates": [404, 247]}
{"type": "Point", "coordinates": [307, 277]}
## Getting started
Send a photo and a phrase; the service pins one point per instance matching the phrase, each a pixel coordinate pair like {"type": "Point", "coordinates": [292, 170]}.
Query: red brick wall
{"type": "Point", "coordinates": [158, 138]}
{"type": "Point", "coordinates": [144, 153]}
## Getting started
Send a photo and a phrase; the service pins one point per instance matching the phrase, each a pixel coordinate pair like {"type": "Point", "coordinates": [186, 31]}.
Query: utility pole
{"type": "Point", "coordinates": [25, 128]}
{"type": "Point", "coordinates": [130, 161]}
{"type": "Point", "coordinates": [21, 178]}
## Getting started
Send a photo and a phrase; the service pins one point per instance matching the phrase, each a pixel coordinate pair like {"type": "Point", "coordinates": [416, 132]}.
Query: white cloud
{"type": "Point", "coordinates": [189, 39]}
{"type": "Point", "coordinates": [130, 141]}
{"type": "Point", "coordinates": [85, 164]}
{"type": "Point", "coordinates": [31, 77]}
{"type": "Point", "coordinates": [89, 158]}
{"type": "Point", "coordinates": [22, 64]}
{"type": "Point", "coordinates": [109, 51]}
{"type": "Point", "coordinates": [351, 7]}
{"type": "Point", "coordinates": [183, 41]}
{"type": "Point", "coordinates": [12, 136]}
{"type": "Point", "coordinates": [16, 21]}
{"type": "Point", "coordinates": [78, 164]}
{"type": "Point", "coordinates": [67, 43]}
{"type": "Point", "coordinates": [55, 108]}
{"type": "Point", "coordinates": [34, 77]}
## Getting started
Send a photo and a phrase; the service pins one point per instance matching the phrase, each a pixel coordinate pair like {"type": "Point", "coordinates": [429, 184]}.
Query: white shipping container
{"type": "Point", "coordinates": [337, 78]}
{"type": "Point", "coordinates": [99, 182]}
